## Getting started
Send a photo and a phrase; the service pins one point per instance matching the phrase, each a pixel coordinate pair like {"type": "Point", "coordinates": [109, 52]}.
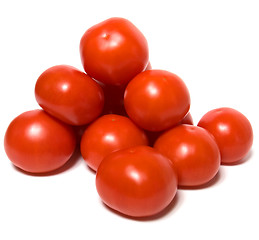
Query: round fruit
{"type": "Point", "coordinates": [193, 152]}
{"type": "Point", "coordinates": [156, 100]}
{"type": "Point", "coordinates": [36, 142]}
{"type": "Point", "coordinates": [232, 132]}
{"type": "Point", "coordinates": [137, 181]}
{"type": "Point", "coordinates": [69, 95]}
{"type": "Point", "coordinates": [114, 51]}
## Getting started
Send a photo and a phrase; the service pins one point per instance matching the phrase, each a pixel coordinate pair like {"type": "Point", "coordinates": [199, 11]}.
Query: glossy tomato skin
{"type": "Point", "coordinates": [156, 100]}
{"type": "Point", "coordinates": [37, 143]}
{"type": "Point", "coordinates": [114, 51]}
{"type": "Point", "coordinates": [193, 152]}
{"type": "Point", "coordinates": [232, 132]}
{"type": "Point", "coordinates": [69, 95]}
{"type": "Point", "coordinates": [137, 181]}
{"type": "Point", "coordinates": [107, 134]}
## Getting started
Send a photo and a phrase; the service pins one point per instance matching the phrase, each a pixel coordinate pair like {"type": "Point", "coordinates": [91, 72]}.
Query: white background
{"type": "Point", "coordinates": [212, 45]}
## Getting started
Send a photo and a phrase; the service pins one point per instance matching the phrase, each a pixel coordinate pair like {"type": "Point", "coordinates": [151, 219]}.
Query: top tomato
{"type": "Point", "coordinates": [114, 51]}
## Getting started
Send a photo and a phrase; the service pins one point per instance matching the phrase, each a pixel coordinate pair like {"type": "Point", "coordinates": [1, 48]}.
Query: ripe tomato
{"type": "Point", "coordinates": [156, 100]}
{"type": "Point", "coordinates": [232, 132]}
{"type": "Point", "coordinates": [136, 181]}
{"type": "Point", "coordinates": [193, 151]}
{"type": "Point", "coordinates": [114, 51]}
{"type": "Point", "coordinates": [36, 142]}
{"type": "Point", "coordinates": [107, 134]}
{"type": "Point", "coordinates": [69, 95]}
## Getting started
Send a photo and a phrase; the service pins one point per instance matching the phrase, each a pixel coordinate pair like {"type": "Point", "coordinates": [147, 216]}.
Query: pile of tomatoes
{"type": "Point", "coordinates": [132, 123]}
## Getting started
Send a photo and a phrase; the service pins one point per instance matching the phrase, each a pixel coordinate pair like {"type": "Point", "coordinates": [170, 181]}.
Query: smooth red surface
{"type": "Point", "coordinates": [107, 134]}
{"type": "Point", "coordinates": [156, 100]}
{"type": "Point", "coordinates": [232, 132]}
{"type": "Point", "coordinates": [194, 154]}
{"type": "Point", "coordinates": [69, 95]}
{"type": "Point", "coordinates": [114, 51]}
{"type": "Point", "coordinates": [137, 181]}
{"type": "Point", "coordinates": [37, 143]}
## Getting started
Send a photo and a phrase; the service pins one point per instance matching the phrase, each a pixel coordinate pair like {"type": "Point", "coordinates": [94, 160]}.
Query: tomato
{"type": "Point", "coordinates": [114, 51]}
{"type": "Point", "coordinates": [193, 151]}
{"type": "Point", "coordinates": [232, 132]}
{"type": "Point", "coordinates": [136, 181]}
{"type": "Point", "coordinates": [69, 95]}
{"type": "Point", "coordinates": [107, 134]}
{"type": "Point", "coordinates": [156, 100]}
{"type": "Point", "coordinates": [36, 142]}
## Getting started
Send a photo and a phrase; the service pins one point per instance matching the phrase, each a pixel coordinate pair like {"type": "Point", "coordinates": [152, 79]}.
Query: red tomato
{"type": "Point", "coordinates": [156, 100]}
{"type": "Point", "coordinates": [107, 134]}
{"type": "Point", "coordinates": [37, 142]}
{"type": "Point", "coordinates": [194, 154]}
{"type": "Point", "coordinates": [69, 95]}
{"type": "Point", "coordinates": [136, 181]}
{"type": "Point", "coordinates": [232, 132]}
{"type": "Point", "coordinates": [114, 51]}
